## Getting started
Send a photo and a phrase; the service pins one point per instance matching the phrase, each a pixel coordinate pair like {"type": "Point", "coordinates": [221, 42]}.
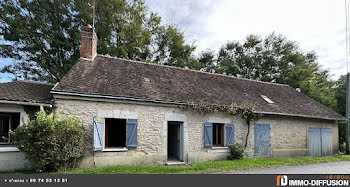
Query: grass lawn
{"type": "Point", "coordinates": [202, 167]}
{"type": "Point", "coordinates": [209, 167]}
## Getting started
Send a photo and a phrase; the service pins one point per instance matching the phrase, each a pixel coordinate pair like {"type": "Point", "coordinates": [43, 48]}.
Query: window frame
{"type": "Point", "coordinates": [109, 148]}
{"type": "Point", "coordinates": [216, 129]}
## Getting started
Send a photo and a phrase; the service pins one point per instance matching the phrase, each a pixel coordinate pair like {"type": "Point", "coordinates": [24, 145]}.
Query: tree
{"type": "Point", "coordinates": [340, 94]}
{"type": "Point", "coordinates": [171, 48]}
{"type": "Point", "coordinates": [207, 61]}
{"type": "Point", "coordinates": [43, 37]}
{"type": "Point", "coordinates": [40, 36]}
{"type": "Point", "coordinates": [276, 59]}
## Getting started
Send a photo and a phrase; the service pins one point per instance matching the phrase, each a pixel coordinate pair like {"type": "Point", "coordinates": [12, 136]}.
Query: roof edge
{"type": "Point", "coordinates": [29, 81]}
{"type": "Point", "coordinates": [25, 103]}
{"type": "Point", "coordinates": [171, 102]}
{"type": "Point", "coordinates": [297, 115]}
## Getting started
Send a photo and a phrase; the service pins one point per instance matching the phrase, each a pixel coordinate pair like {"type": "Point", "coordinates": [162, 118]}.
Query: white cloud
{"type": "Point", "coordinates": [317, 25]}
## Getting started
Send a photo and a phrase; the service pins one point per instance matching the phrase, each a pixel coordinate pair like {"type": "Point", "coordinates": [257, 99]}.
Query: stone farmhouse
{"type": "Point", "coordinates": [137, 113]}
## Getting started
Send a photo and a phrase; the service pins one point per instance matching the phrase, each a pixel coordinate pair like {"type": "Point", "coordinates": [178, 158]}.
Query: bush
{"type": "Point", "coordinates": [342, 147]}
{"type": "Point", "coordinates": [236, 152]}
{"type": "Point", "coordinates": [342, 144]}
{"type": "Point", "coordinates": [51, 143]}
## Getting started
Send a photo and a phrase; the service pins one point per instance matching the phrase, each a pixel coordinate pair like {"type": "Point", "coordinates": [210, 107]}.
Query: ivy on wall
{"type": "Point", "coordinates": [33, 111]}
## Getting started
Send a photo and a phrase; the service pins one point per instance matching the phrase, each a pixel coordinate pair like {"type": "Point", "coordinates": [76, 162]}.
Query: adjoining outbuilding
{"type": "Point", "coordinates": [142, 113]}
{"type": "Point", "coordinates": [19, 100]}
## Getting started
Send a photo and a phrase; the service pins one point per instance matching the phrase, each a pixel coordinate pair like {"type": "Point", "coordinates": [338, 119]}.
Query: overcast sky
{"type": "Point", "coordinates": [317, 25]}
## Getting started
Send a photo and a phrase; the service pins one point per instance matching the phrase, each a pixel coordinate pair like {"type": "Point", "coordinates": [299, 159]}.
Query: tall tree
{"type": "Point", "coordinates": [40, 36]}
{"type": "Point", "coordinates": [207, 61]}
{"type": "Point", "coordinates": [172, 49]}
{"type": "Point", "coordinates": [340, 94]}
{"type": "Point", "coordinates": [43, 37]}
{"type": "Point", "coordinates": [276, 59]}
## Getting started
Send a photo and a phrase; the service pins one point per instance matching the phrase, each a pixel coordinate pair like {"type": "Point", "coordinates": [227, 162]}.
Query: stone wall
{"type": "Point", "coordinates": [13, 160]}
{"type": "Point", "coordinates": [289, 135]}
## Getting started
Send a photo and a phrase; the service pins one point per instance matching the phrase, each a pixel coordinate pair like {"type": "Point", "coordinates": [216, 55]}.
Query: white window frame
{"type": "Point", "coordinates": [267, 99]}
{"type": "Point", "coordinates": [112, 149]}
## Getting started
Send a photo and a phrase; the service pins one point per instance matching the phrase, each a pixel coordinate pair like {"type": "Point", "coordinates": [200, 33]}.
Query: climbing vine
{"type": "Point", "coordinates": [33, 111]}
{"type": "Point", "coordinates": [245, 111]}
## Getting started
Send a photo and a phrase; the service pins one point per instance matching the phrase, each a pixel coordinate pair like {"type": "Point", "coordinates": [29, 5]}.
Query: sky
{"type": "Point", "coordinates": [317, 25]}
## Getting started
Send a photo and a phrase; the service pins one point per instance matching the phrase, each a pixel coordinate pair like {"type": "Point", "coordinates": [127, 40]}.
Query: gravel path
{"type": "Point", "coordinates": [322, 168]}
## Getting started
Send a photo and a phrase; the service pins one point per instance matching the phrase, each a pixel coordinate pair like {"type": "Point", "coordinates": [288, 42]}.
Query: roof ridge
{"type": "Point", "coordinates": [162, 65]}
{"type": "Point", "coordinates": [33, 82]}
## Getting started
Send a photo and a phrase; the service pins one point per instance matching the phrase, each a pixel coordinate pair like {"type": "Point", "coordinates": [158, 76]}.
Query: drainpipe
{"type": "Point", "coordinates": [347, 114]}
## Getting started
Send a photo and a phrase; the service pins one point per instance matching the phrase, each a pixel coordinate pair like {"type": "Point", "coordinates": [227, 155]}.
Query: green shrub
{"type": "Point", "coordinates": [236, 152]}
{"type": "Point", "coordinates": [342, 147]}
{"type": "Point", "coordinates": [51, 143]}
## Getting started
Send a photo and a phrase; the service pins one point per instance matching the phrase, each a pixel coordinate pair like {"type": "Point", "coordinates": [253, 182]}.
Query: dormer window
{"type": "Point", "coordinates": [146, 79]}
{"type": "Point", "coordinates": [268, 100]}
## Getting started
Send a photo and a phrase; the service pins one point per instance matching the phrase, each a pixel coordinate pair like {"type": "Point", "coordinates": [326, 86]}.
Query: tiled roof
{"type": "Point", "coordinates": [109, 76]}
{"type": "Point", "coordinates": [26, 91]}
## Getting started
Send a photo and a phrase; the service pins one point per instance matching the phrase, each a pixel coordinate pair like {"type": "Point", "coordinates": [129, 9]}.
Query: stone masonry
{"type": "Point", "coordinates": [289, 135]}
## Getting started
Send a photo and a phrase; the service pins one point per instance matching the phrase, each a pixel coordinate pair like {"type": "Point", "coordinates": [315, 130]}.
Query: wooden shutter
{"type": "Point", "coordinates": [98, 135]}
{"type": "Point", "coordinates": [131, 133]}
{"type": "Point", "coordinates": [208, 134]}
{"type": "Point", "coordinates": [230, 134]}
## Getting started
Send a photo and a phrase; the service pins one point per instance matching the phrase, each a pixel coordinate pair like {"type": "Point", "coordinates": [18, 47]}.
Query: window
{"type": "Point", "coordinates": [8, 122]}
{"type": "Point", "coordinates": [218, 134]}
{"type": "Point", "coordinates": [268, 100]}
{"type": "Point", "coordinates": [146, 79]}
{"type": "Point", "coordinates": [115, 133]}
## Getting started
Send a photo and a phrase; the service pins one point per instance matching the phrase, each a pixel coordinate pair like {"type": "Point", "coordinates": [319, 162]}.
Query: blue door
{"type": "Point", "coordinates": [315, 142]}
{"type": "Point", "coordinates": [326, 137]}
{"type": "Point", "coordinates": [262, 144]}
{"type": "Point", "coordinates": [320, 141]}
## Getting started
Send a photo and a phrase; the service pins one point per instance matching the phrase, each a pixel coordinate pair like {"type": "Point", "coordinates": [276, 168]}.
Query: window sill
{"type": "Point", "coordinates": [219, 148]}
{"type": "Point", "coordinates": [9, 149]}
{"type": "Point", "coordinates": [115, 149]}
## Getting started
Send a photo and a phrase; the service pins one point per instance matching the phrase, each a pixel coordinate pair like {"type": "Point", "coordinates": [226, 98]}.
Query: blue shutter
{"type": "Point", "coordinates": [208, 134]}
{"type": "Point", "coordinates": [131, 133]}
{"type": "Point", "coordinates": [230, 134]}
{"type": "Point", "coordinates": [98, 135]}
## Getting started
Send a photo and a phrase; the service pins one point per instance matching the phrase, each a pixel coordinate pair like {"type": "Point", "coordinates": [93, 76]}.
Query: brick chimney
{"type": "Point", "coordinates": [88, 48]}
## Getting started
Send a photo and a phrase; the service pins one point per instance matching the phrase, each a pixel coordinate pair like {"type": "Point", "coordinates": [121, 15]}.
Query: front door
{"type": "Point", "coordinates": [175, 141]}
